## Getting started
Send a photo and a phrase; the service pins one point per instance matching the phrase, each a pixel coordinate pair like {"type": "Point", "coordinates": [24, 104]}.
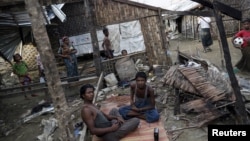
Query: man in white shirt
{"type": "Point", "coordinates": [205, 23]}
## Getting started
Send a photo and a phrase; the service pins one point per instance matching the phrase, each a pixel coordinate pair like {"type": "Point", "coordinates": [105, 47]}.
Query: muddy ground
{"type": "Point", "coordinates": [13, 108]}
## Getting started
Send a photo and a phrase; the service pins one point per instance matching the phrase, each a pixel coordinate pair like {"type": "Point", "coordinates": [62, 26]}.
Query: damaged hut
{"type": "Point", "coordinates": [201, 88]}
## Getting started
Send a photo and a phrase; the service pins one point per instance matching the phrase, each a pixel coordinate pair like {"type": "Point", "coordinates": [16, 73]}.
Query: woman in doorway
{"type": "Point", "coordinates": [71, 64]}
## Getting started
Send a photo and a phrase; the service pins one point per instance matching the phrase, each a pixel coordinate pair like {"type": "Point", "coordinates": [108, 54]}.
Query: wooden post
{"type": "Point", "coordinates": [239, 105]}
{"type": "Point", "coordinates": [193, 27]}
{"type": "Point", "coordinates": [185, 27]}
{"type": "Point", "coordinates": [177, 102]}
{"type": "Point", "coordinates": [220, 47]}
{"type": "Point", "coordinates": [163, 32]}
{"type": "Point", "coordinates": [99, 86]}
{"type": "Point", "coordinates": [51, 72]}
{"type": "Point", "coordinates": [92, 29]}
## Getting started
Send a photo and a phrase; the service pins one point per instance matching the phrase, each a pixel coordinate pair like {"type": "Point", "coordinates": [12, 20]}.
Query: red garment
{"type": "Point", "coordinates": [245, 34]}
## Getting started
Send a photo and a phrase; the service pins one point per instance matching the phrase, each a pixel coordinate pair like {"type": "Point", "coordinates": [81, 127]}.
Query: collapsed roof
{"type": "Point", "coordinates": [14, 17]}
{"type": "Point", "coordinates": [173, 5]}
{"type": "Point", "coordinates": [15, 25]}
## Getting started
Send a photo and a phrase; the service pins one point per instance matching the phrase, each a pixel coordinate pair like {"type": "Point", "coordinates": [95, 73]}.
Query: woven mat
{"type": "Point", "coordinates": [144, 132]}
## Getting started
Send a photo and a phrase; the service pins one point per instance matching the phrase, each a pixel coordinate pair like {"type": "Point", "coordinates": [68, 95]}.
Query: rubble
{"type": "Point", "coordinates": [203, 90]}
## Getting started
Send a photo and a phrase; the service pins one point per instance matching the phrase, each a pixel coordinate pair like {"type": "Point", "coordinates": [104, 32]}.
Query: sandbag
{"type": "Point", "coordinates": [125, 69]}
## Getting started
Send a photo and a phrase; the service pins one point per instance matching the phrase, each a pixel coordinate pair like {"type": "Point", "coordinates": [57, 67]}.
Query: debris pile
{"type": "Point", "coordinates": [205, 91]}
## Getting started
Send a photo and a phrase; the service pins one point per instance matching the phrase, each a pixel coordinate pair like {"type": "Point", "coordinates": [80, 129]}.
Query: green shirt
{"type": "Point", "coordinates": [20, 68]}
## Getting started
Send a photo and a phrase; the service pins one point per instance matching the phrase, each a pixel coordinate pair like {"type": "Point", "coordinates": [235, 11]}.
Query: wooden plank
{"type": "Point", "coordinates": [50, 2]}
{"type": "Point", "coordinates": [137, 4]}
{"type": "Point", "coordinates": [240, 107]}
{"type": "Point", "coordinates": [198, 105]}
{"type": "Point", "coordinates": [44, 89]}
{"type": "Point", "coordinates": [81, 82]}
{"type": "Point", "coordinates": [177, 102]}
{"type": "Point", "coordinates": [43, 84]}
{"type": "Point", "coordinates": [4, 90]}
{"type": "Point", "coordinates": [98, 87]}
{"type": "Point", "coordinates": [208, 116]}
{"type": "Point", "coordinates": [94, 40]}
{"type": "Point", "coordinates": [119, 57]}
{"type": "Point", "coordinates": [204, 3]}
{"type": "Point", "coordinates": [162, 31]}
{"type": "Point", "coordinates": [225, 9]}
{"type": "Point", "coordinates": [8, 95]}
{"type": "Point", "coordinates": [83, 132]}
{"type": "Point", "coordinates": [79, 77]}
{"type": "Point", "coordinates": [194, 13]}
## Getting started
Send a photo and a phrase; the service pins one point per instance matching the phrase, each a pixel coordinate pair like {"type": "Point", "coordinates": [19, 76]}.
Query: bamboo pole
{"type": "Point", "coordinates": [51, 71]}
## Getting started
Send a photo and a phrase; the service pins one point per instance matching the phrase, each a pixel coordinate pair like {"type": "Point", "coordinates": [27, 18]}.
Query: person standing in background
{"type": "Point", "coordinates": [107, 45]}
{"type": "Point", "coordinates": [20, 68]}
{"type": "Point", "coordinates": [205, 24]}
{"type": "Point", "coordinates": [71, 65]}
{"type": "Point", "coordinates": [66, 51]}
{"type": "Point", "coordinates": [244, 63]}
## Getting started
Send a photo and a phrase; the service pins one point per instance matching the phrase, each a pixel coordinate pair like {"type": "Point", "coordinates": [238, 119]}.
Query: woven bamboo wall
{"type": "Point", "coordinates": [232, 25]}
{"type": "Point", "coordinates": [151, 33]}
{"type": "Point", "coordinates": [111, 12]}
{"type": "Point", "coordinates": [245, 6]}
{"type": "Point", "coordinates": [189, 23]}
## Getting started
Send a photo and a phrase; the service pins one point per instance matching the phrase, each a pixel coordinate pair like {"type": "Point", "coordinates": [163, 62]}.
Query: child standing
{"type": "Point", "coordinates": [244, 63]}
{"type": "Point", "coordinates": [20, 68]}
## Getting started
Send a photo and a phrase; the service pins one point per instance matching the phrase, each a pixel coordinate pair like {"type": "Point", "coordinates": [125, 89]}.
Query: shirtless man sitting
{"type": "Point", "coordinates": [109, 127]}
{"type": "Point", "coordinates": [142, 101]}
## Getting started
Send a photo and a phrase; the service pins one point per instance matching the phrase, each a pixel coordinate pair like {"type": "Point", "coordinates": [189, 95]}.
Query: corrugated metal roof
{"type": "Point", "coordinates": [173, 5]}
{"type": "Point", "coordinates": [14, 19]}
{"type": "Point", "coordinates": [11, 19]}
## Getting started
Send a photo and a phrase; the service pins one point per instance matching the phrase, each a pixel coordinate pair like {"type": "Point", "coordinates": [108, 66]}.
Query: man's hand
{"type": "Point", "coordinates": [135, 109]}
{"type": "Point", "coordinates": [120, 120]}
{"type": "Point", "coordinates": [114, 127]}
